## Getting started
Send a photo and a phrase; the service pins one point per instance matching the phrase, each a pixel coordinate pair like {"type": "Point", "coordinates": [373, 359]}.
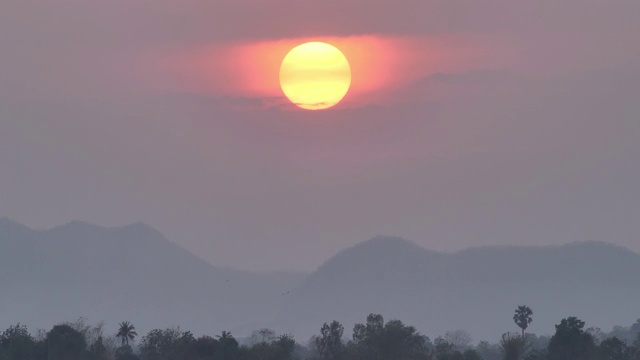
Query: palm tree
{"type": "Point", "coordinates": [522, 317]}
{"type": "Point", "coordinates": [225, 336]}
{"type": "Point", "coordinates": [228, 346]}
{"type": "Point", "coordinates": [126, 332]}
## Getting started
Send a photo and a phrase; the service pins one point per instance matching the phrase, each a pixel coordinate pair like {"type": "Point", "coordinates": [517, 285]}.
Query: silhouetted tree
{"type": "Point", "coordinates": [184, 346]}
{"type": "Point", "coordinates": [266, 335]}
{"type": "Point", "coordinates": [168, 344]}
{"type": "Point", "coordinates": [90, 333]}
{"type": "Point", "coordinates": [329, 344]}
{"type": "Point", "coordinates": [489, 351]}
{"type": "Point", "coordinates": [401, 341]}
{"type": "Point", "coordinates": [522, 317]}
{"type": "Point", "coordinates": [373, 340]}
{"type": "Point", "coordinates": [205, 348]}
{"type": "Point", "coordinates": [125, 353]}
{"type": "Point", "coordinates": [444, 350]}
{"type": "Point", "coordinates": [636, 342]}
{"type": "Point", "coordinates": [597, 334]}
{"type": "Point", "coordinates": [228, 348]}
{"type": "Point", "coordinates": [225, 335]}
{"type": "Point", "coordinates": [97, 350]}
{"type": "Point", "coordinates": [372, 328]}
{"type": "Point", "coordinates": [17, 343]}
{"type": "Point", "coordinates": [284, 344]}
{"type": "Point", "coordinates": [159, 344]}
{"type": "Point", "coordinates": [513, 347]}
{"type": "Point", "coordinates": [126, 332]}
{"type": "Point", "coordinates": [278, 349]}
{"type": "Point", "coordinates": [571, 342]}
{"type": "Point", "coordinates": [65, 343]}
{"type": "Point", "coordinates": [614, 349]}
{"type": "Point", "coordinates": [393, 340]}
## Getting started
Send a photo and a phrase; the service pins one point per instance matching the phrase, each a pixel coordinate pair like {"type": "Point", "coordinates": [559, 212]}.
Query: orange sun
{"type": "Point", "coordinates": [315, 75]}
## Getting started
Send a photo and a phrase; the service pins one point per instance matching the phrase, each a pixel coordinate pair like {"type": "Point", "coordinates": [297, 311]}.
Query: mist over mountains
{"type": "Point", "coordinates": [129, 272]}
{"type": "Point", "coordinates": [134, 273]}
{"type": "Point", "coordinates": [474, 289]}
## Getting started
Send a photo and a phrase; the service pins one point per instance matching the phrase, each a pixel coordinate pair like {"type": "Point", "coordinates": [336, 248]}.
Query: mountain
{"type": "Point", "coordinates": [127, 273]}
{"type": "Point", "coordinates": [134, 273]}
{"type": "Point", "coordinates": [475, 289]}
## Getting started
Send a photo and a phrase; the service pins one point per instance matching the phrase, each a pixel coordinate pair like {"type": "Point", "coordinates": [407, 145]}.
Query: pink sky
{"type": "Point", "coordinates": [470, 123]}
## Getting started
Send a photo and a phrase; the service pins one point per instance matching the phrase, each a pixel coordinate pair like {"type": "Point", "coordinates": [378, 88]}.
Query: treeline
{"type": "Point", "coordinates": [374, 339]}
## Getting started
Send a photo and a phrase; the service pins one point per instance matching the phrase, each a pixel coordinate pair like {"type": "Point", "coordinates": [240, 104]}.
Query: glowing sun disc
{"type": "Point", "coordinates": [315, 76]}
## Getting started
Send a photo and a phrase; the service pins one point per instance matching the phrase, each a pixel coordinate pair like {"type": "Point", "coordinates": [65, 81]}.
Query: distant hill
{"type": "Point", "coordinates": [476, 289]}
{"type": "Point", "coordinates": [134, 273]}
{"type": "Point", "coordinates": [127, 273]}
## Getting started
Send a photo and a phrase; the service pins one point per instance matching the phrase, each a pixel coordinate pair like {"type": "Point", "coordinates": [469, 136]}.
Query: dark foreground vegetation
{"type": "Point", "coordinates": [373, 340]}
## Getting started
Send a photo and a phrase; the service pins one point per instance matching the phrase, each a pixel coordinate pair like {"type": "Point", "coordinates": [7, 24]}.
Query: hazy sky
{"type": "Point", "coordinates": [486, 122]}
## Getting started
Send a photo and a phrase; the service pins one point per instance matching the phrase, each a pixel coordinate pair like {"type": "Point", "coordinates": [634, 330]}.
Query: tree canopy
{"type": "Point", "coordinates": [374, 339]}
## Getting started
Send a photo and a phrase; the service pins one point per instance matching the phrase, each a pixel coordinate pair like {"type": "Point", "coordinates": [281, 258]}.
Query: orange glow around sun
{"type": "Point", "coordinates": [315, 75]}
{"type": "Point", "coordinates": [375, 63]}
{"type": "Point", "coordinates": [378, 69]}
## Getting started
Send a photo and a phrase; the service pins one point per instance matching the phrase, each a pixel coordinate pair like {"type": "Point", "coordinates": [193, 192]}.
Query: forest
{"type": "Point", "coordinates": [373, 339]}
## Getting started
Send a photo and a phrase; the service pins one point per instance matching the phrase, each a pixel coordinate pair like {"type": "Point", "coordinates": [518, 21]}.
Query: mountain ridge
{"type": "Point", "coordinates": [440, 286]}
{"type": "Point", "coordinates": [133, 272]}
{"type": "Point", "coordinates": [127, 272]}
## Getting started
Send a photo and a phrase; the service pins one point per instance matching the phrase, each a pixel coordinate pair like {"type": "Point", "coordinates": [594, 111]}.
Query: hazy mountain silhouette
{"type": "Point", "coordinates": [475, 289]}
{"type": "Point", "coordinates": [134, 273]}
{"type": "Point", "coordinates": [126, 273]}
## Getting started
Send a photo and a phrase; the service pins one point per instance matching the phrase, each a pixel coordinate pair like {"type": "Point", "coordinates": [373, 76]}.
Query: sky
{"type": "Point", "coordinates": [469, 123]}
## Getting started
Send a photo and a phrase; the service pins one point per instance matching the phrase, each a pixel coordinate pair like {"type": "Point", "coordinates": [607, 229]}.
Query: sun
{"type": "Point", "coordinates": [315, 75]}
